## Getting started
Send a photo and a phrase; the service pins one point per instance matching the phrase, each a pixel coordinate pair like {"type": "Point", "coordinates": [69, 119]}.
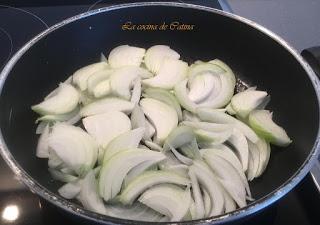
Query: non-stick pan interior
{"type": "Point", "coordinates": [254, 57]}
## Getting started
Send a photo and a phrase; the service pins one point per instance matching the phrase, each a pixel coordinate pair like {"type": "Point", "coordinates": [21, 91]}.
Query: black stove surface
{"type": "Point", "coordinates": [19, 22]}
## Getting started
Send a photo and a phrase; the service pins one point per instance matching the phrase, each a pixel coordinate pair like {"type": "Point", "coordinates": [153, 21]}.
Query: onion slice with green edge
{"type": "Point", "coordinates": [178, 137]}
{"type": "Point", "coordinates": [43, 144]}
{"type": "Point", "coordinates": [212, 137]}
{"type": "Point", "coordinates": [70, 190]}
{"type": "Point", "coordinates": [114, 170]}
{"type": "Point", "coordinates": [122, 80]}
{"type": "Point", "coordinates": [216, 116]}
{"type": "Point", "coordinates": [246, 101]}
{"type": "Point", "coordinates": [76, 148]}
{"type": "Point", "coordinates": [197, 196]}
{"type": "Point", "coordinates": [171, 72]}
{"type": "Point", "coordinates": [138, 170]}
{"type": "Point", "coordinates": [169, 200]}
{"type": "Point", "coordinates": [63, 177]}
{"type": "Point", "coordinates": [155, 56]}
{"type": "Point", "coordinates": [125, 55]}
{"type": "Point", "coordinates": [105, 105]}
{"type": "Point", "coordinates": [128, 139]}
{"type": "Point", "coordinates": [81, 76]}
{"type": "Point", "coordinates": [72, 116]}
{"type": "Point", "coordinates": [208, 181]}
{"type": "Point", "coordinates": [96, 78]}
{"type": "Point", "coordinates": [88, 195]}
{"type": "Point", "coordinates": [162, 116]}
{"type": "Point", "coordinates": [180, 169]}
{"type": "Point", "coordinates": [136, 211]}
{"type": "Point", "coordinates": [166, 97]}
{"type": "Point", "coordinates": [64, 101]}
{"type": "Point", "coordinates": [191, 149]}
{"type": "Point", "coordinates": [105, 127]}
{"type": "Point", "coordinates": [212, 127]}
{"type": "Point", "coordinates": [147, 180]}
{"type": "Point", "coordinates": [240, 144]}
{"type": "Point", "coordinates": [261, 121]}
{"type": "Point", "coordinates": [228, 177]}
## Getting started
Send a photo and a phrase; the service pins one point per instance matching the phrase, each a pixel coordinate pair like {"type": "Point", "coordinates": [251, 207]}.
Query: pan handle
{"type": "Point", "coordinates": [312, 56]}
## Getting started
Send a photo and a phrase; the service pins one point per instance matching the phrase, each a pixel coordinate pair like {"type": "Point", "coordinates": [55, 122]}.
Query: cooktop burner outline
{"type": "Point", "coordinates": [9, 38]}
{"type": "Point", "coordinates": [26, 11]}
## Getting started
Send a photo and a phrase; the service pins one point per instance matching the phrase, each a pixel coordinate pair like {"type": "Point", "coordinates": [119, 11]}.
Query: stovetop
{"type": "Point", "coordinates": [19, 22]}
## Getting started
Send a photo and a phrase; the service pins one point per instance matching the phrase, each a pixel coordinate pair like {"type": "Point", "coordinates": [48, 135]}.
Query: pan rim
{"type": "Point", "coordinates": [73, 208]}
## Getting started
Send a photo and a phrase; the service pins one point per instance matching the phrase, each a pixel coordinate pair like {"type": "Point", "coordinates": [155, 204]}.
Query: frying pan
{"type": "Point", "coordinates": [257, 56]}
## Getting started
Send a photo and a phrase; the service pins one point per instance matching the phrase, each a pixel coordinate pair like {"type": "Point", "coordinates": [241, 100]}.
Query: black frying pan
{"type": "Point", "coordinates": [257, 56]}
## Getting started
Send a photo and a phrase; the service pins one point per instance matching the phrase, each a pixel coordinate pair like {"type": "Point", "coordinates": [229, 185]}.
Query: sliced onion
{"type": "Point", "coordinates": [199, 205]}
{"type": "Point", "coordinates": [261, 121]}
{"type": "Point", "coordinates": [166, 97]}
{"type": "Point", "coordinates": [129, 139]}
{"type": "Point", "coordinates": [137, 211]}
{"type": "Point", "coordinates": [171, 72]}
{"type": "Point", "coordinates": [209, 182]}
{"type": "Point", "coordinates": [64, 101]}
{"type": "Point", "coordinates": [147, 180]}
{"type": "Point", "coordinates": [229, 178]}
{"type": "Point", "coordinates": [139, 169]}
{"type": "Point", "coordinates": [81, 76]}
{"type": "Point", "coordinates": [74, 147]}
{"type": "Point", "coordinates": [136, 91]}
{"type": "Point", "coordinates": [88, 195]}
{"type": "Point", "coordinates": [216, 116]}
{"type": "Point", "coordinates": [105, 127]}
{"type": "Point", "coordinates": [178, 137]}
{"type": "Point", "coordinates": [43, 145]}
{"type": "Point", "coordinates": [96, 78]}
{"type": "Point", "coordinates": [244, 102]}
{"type": "Point", "coordinates": [156, 54]}
{"type": "Point", "coordinates": [122, 80]}
{"type": "Point", "coordinates": [70, 190]}
{"type": "Point", "coordinates": [113, 171]}
{"type": "Point", "coordinates": [188, 116]}
{"type": "Point", "coordinates": [240, 144]}
{"type": "Point", "coordinates": [125, 55]}
{"type": "Point", "coordinates": [71, 116]}
{"type": "Point", "coordinates": [102, 89]}
{"type": "Point", "coordinates": [105, 105]}
{"type": "Point", "coordinates": [169, 200]}
{"type": "Point", "coordinates": [162, 116]}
